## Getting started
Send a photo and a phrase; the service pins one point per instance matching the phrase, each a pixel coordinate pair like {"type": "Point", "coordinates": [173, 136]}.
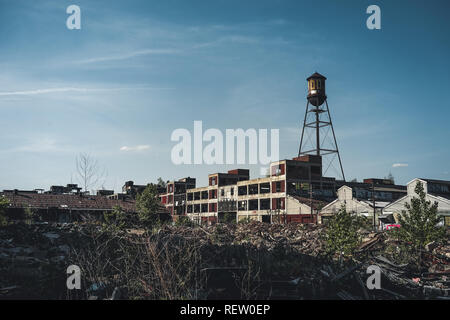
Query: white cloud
{"type": "Point", "coordinates": [135, 148]}
{"type": "Point", "coordinates": [397, 165]}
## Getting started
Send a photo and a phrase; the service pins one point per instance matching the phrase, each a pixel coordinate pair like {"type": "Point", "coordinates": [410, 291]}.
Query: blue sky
{"type": "Point", "coordinates": [137, 70]}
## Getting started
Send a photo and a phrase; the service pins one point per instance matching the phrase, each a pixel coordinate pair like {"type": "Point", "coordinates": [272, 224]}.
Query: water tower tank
{"type": "Point", "coordinates": [316, 89]}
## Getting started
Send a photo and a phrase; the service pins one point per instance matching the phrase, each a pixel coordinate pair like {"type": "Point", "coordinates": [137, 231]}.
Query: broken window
{"type": "Point", "coordinates": [264, 187]}
{"type": "Point", "coordinates": [242, 205]}
{"type": "Point", "coordinates": [253, 204]}
{"type": "Point", "coordinates": [264, 204]}
{"type": "Point", "coordinates": [253, 189]}
{"type": "Point", "coordinates": [242, 190]}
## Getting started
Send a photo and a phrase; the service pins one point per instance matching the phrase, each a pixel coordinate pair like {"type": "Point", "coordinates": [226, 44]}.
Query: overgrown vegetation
{"type": "Point", "coordinates": [342, 235]}
{"type": "Point", "coordinates": [3, 205]}
{"type": "Point", "coordinates": [148, 207]}
{"type": "Point", "coordinates": [229, 218]}
{"type": "Point", "coordinates": [184, 221]}
{"type": "Point", "coordinates": [115, 219]}
{"type": "Point", "coordinates": [420, 223]}
{"type": "Point", "coordinates": [419, 227]}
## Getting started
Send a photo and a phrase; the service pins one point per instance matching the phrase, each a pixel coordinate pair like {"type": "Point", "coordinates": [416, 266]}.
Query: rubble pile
{"type": "Point", "coordinates": [33, 259]}
{"type": "Point", "coordinates": [226, 261]}
{"type": "Point", "coordinates": [301, 238]}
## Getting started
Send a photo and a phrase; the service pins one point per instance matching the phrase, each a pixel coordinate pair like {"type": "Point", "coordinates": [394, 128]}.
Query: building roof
{"type": "Point", "coordinates": [316, 75]}
{"type": "Point", "coordinates": [316, 204]}
{"type": "Point", "coordinates": [436, 181]}
{"type": "Point", "coordinates": [66, 201]}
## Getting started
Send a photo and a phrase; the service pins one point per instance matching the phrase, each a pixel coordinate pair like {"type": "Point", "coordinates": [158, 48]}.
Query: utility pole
{"type": "Point", "coordinates": [374, 209]}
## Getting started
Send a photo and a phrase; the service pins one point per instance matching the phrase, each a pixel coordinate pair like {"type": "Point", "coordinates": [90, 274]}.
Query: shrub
{"type": "Point", "coordinates": [4, 203]}
{"type": "Point", "coordinates": [342, 233]}
{"type": "Point", "coordinates": [419, 226]}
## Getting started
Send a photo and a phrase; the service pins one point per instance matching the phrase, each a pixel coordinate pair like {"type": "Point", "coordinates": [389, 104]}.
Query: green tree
{"type": "Point", "coordinates": [229, 218]}
{"type": "Point", "coordinates": [148, 206]}
{"type": "Point", "coordinates": [419, 226]}
{"type": "Point", "coordinates": [115, 219]}
{"type": "Point", "coordinates": [342, 233]}
{"type": "Point", "coordinates": [161, 182]}
{"type": "Point", "coordinates": [30, 215]}
{"type": "Point", "coordinates": [184, 221]}
{"type": "Point", "coordinates": [4, 203]}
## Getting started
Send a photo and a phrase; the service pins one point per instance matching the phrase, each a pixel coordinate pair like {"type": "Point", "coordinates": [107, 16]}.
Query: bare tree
{"type": "Point", "coordinates": [89, 171]}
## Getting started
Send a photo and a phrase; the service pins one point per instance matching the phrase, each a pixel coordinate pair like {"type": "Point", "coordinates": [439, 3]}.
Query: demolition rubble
{"type": "Point", "coordinates": [250, 260]}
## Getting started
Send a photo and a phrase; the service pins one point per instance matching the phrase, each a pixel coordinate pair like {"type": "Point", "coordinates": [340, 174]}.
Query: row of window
{"type": "Point", "coordinates": [261, 188]}
{"type": "Point", "coordinates": [244, 205]}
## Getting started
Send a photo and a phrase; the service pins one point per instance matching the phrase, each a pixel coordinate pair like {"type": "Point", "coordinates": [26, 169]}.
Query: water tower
{"type": "Point", "coordinates": [318, 123]}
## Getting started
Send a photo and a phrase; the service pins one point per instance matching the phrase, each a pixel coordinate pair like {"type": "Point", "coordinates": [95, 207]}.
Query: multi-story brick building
{"type": "Point", "coordinates": [294, 191]}
{"type": "Point", "coordinates": [174, 199]}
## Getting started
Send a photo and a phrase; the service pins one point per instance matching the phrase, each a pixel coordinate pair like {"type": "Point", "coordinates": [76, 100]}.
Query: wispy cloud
{"type": "Point", "coordinates": [135, 148]}
{"type": "Point", "coordinates": [398, 165]}
{"type": "Point", "coordinates": [42, 145]}
{"type": "Point", "coordinates": [42, 91]}
{"type": "Point", "coordinates": [129, 55]}
{"type": "Point", "coordinates": [72, 89]}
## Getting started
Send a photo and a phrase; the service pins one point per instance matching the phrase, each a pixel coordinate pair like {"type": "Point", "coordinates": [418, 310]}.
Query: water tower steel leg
{"type": "Point", "coordinates": [303, 129]}
{"type": "Point", "coordinates": [317, 128]}
{"type": "Point", "coordinates": [335, 142]}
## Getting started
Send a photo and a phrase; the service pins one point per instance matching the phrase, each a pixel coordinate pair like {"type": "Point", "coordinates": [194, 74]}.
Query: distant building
{"type": "Point", "coordinates": [62, 207]}
{"type": "Point", "coordinates": [68, 189]}
{"type": "Point", "coordinates": [174, 197]}
{"type": "Point", "coordinates": [347, 197]}
{"type": "Point", "coordinates": [384, 189]}
{"type": "Point", "coordinates": [132, 189]}
{"type": "Point", "coordinates": [435, 190]}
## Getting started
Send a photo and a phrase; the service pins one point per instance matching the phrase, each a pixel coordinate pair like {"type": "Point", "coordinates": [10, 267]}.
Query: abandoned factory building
{"type": "Point", "coordinates": [63, 204]}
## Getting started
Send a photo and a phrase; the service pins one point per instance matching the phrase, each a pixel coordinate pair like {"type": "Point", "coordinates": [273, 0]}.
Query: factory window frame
{"type": "Point", "coordinates": [232, 191]}
{"type": "Point", "coordinates": [253, 205]}
{"type": "Point", "coordinates": [222, 192]}
{"type": "Point", "coordinates": [253, 189]}
{"type": "Point", "coordinates": [242, 190]}
{"type": "Point", "coordinates": [264, 204]}
{"type": "Point", "coordinates": [264, 187]}
{"type": "Point", "coordinates": [242, 205]}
